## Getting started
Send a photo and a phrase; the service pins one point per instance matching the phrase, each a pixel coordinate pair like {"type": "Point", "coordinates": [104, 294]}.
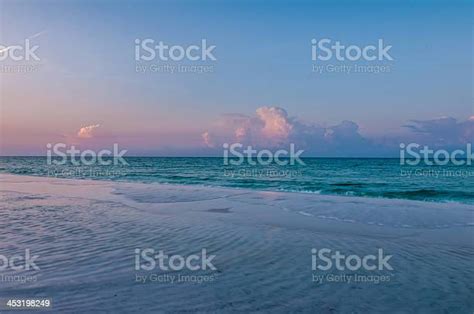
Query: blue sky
{"type": "Point", "coordinates": [263, 49]}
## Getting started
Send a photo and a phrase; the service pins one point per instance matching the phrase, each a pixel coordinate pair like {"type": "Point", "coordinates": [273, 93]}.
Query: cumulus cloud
{"type": "Point", "coordinates": [276, 124]}
{"type": "Point", "coordinates": [269, 126]}
{"type": "Point", "coordinates": [87, 131]}
{"type": "Point", "coordinates": [272, 127]}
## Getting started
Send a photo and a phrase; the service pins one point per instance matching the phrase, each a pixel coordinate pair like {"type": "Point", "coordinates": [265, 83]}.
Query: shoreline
{"type": "Point", "coordinates": [86, 233]}
{"type": "Point", "coordinates": [239, 189]}
{"type": "Point", "coordinates": [365, 212]}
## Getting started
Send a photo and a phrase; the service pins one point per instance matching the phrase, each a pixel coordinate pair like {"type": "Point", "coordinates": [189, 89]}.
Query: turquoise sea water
{"type": "Point", "coordinates": [379, 178]}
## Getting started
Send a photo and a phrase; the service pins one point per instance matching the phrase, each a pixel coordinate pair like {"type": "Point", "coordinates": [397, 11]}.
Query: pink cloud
{"type": "Point", "coordinates": [87, 131]}
{"type": "Point", "coordinates": [275, 123]}
{"type": "Point", "coordinates": [272, 127]}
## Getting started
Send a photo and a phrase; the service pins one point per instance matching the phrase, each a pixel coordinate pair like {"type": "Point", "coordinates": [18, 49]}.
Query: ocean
{"type": "Point", "coordinates": [362, 177]}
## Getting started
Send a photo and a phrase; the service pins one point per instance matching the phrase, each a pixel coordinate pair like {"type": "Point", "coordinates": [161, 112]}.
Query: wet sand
{"type": "Point", "coordinates": [86, 233]}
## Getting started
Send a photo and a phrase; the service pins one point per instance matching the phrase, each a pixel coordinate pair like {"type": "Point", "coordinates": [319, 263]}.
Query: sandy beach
{"type": "Point", "coordinates": [86, 233]}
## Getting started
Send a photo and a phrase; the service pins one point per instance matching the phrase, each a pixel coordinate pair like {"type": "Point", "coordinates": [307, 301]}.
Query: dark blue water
{"type": "Point", "coordinates": [380, 178]}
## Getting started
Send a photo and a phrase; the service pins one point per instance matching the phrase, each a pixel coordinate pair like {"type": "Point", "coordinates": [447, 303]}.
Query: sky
{"type": "Point", "coordinates": [261, 90]}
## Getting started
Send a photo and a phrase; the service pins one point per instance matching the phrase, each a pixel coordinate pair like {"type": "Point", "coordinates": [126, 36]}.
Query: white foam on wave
{"type": "Point", "coordinates": [305, 214]}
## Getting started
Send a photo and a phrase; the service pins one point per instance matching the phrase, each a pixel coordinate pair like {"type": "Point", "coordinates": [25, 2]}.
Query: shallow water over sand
{"type": "Point", "coordinates": [86, 233]}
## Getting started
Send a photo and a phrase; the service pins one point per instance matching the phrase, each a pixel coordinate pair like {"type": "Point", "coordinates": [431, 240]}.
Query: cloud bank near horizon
{"type": "Point", "coordinates": [269, 127]}
{"type": "Point", "coordinates": [444, 131]}
{"type": "Point", "coordinates": [272, 127]}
